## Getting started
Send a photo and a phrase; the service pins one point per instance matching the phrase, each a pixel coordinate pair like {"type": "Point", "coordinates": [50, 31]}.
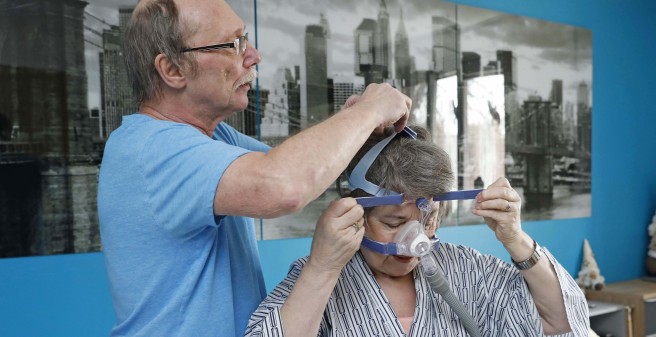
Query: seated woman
{"type": "Point", "coordinates": [344, 289]}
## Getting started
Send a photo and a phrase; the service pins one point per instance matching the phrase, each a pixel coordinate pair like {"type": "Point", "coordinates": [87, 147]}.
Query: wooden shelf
{"type": "Point", "coordinates": [639, 296]}
{"type": "Point", "coordinates": [609, 319]}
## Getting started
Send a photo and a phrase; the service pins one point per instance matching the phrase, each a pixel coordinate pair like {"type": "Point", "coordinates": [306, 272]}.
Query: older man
{"type": "Point", "coordinates": [177, 185]}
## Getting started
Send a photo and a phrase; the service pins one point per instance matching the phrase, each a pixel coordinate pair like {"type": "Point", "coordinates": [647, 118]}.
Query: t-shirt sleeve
{"type": "Point", "coordinates": [182, 168]}
{"type": "Point", "coordinates": [230, 135]}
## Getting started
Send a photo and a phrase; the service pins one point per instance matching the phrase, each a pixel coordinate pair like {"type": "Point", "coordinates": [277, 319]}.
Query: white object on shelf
{"type": "Point", "coordinates": [608, 318]}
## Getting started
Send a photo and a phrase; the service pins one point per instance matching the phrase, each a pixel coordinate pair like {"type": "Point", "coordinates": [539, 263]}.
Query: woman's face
{"type": "Point", "coordinates": [382, 224]}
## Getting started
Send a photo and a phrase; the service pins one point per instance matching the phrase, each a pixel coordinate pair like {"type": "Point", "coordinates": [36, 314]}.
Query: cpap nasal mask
{"type": "Point", "coordinates": [409, 241]}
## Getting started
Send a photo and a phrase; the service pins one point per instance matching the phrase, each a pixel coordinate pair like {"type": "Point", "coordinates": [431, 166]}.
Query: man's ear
{"type": "Point", "coordinates": [169, 72]}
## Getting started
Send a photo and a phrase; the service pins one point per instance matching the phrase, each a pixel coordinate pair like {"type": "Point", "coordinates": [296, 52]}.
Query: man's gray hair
{"type": "Point", "coordinates": [154, 28]}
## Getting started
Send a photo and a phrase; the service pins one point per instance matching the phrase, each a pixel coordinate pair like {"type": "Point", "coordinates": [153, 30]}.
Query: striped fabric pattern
{"type": "Point", "coordinates": [493, 291]}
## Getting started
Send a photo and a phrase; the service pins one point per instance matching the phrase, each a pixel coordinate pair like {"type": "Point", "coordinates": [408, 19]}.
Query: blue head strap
{"type": "Point", "coordinates": [390, 248]}
{"type": "Point", "coordinates": [357, 177]}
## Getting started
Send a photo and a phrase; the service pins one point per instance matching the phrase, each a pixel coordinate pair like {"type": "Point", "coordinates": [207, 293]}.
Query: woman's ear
{"type": "Point", "coordinates": [432, 223]}
{"type": "Point", "coordinates": [169, 72]}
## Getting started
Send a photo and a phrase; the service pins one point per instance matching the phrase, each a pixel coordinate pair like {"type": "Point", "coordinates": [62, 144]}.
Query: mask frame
{"type": "Point", "coordinates": [357, 177]}
{"type": "Point", "coordinates": [409, 241]}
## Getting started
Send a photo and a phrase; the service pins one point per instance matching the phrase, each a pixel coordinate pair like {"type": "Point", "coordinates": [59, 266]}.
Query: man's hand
{"type": "Point", "coordinates": [392, 106]}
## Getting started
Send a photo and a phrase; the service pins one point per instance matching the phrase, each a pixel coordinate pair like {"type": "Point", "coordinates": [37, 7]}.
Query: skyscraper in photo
{"type": "Point", "coordinates": [316, 72]}
{"type": "Point", "coordinates": [366, 42]}
{"type": "Point", "coordinates": [383, 45]}
{"type": "Point", "coordinates": [471, 65]}
{"type": "Point", "coordinates": [558, 139]}
{"type": "Point", "coordinates": [583, 95]}
{"type": "Point", "coordinates": [556, 95]}
{"type": "Point", "coordinates": [569, 124]}
{"type": "Point", "coordinates": [402, 58]}
{"type": "Point", "coordinates": [445, 56]}
{"type": "Point", "coordinates": [278, 120]}
{"type": "Point", "coordinates": [584, 117]}
{"type": "Point", "coordinates": [365, 37]}
{"type": "Point", "coordinates": [508, 68]}
{"type": "Point", "coordinates": [323, 22]}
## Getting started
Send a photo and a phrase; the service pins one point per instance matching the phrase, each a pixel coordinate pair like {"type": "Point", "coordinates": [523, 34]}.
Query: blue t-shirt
{"type": "Point", "coordinates": [175, 269]}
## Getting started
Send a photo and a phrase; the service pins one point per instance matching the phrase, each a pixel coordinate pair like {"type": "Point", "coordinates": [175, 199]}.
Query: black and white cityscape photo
{"type": "Point", "coordinates": [504, 95]}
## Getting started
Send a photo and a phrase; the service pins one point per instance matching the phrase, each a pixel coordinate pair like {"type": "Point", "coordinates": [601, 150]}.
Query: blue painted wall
{"type": "Point", "coordinates": [68, 295]}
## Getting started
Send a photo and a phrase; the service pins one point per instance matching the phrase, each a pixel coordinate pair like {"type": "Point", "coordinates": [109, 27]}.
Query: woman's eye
{"type": "Point", "coordinates": [393, 224]}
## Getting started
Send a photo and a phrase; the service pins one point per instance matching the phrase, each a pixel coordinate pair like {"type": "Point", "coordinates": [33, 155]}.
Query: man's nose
{"type": "Point", "coordinates": [251, 56]}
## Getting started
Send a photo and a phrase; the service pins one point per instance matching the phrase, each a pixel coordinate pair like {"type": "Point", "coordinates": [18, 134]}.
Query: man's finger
{"type": "Point", "coordinates": [350, 101]}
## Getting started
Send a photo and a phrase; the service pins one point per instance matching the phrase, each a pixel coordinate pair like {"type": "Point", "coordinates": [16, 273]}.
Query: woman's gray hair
{"type": "Point", "coordinates": [416, 167]}
{"type": "Point", "coordinates": [154, 28]}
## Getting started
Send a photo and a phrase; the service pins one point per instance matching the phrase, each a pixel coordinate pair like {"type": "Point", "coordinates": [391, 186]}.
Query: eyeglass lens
{"type": "Point", "coordinates": [242, 43]}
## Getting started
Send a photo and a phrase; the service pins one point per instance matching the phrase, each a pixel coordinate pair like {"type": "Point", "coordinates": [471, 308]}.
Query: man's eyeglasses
{"type": "Point", "coordinates": [239, 44]}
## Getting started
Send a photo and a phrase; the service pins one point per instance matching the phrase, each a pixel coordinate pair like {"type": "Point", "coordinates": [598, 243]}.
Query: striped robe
{"type": "Point", "coordinates": [493, 291]}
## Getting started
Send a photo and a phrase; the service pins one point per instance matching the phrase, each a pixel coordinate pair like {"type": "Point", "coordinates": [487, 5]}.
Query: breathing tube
{"type": "Point", "coordinates": [438, 283]}
{"type": "Point", "coordinates": [411, 239]}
